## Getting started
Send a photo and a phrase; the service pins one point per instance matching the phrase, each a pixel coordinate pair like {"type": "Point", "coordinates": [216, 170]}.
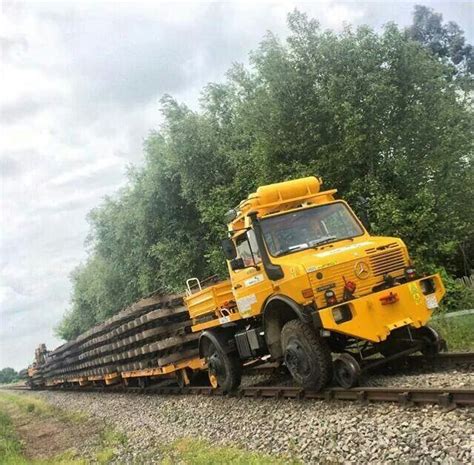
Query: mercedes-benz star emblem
{"type": "Point", "coordinates": [362, 270]}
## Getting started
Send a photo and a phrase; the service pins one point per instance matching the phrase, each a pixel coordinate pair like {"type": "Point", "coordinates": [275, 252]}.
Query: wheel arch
{"type": "Point", "coordinates": [219, 337]}
{"type": "Point", "coordinates": [278, 310]}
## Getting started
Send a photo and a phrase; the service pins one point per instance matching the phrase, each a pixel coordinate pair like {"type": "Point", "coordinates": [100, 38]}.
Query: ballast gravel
{"type": "Point", "coordinates": [313, 431]}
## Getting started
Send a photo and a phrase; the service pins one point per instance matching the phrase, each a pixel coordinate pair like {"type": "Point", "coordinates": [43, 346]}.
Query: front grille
{"type": "Point", "coordinates": [381, 261]}
{"type": "Point", "coordinates": [387, 262]}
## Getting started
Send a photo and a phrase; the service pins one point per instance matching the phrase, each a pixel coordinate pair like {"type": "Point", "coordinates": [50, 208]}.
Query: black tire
{"type": "Point", "coordinates": [225, 367]}
{"type": "Point", "coordinates": [307, 356]}
{"type": "Point", "coordinates": [396, 342]}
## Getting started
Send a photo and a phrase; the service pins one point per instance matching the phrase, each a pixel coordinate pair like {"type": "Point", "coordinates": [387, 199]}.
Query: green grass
{"type": "Point", "coordinates": [33, 405]}
{"type": "Point", "coordinates": [110, 440]}
{"type": "Point", "coordinates": [10, 446]}
{"type": "Point", "coordinates": [188, 451]}
{"type": "Point", "coordinates": [458, 331]}
{"type": "Point", "coordinates": [26, 406]}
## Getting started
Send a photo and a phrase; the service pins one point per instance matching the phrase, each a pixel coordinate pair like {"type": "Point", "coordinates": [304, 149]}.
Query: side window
{"type": "Point", "coordinates": [247, 249]}
{"type": "Point", "coordinates": [254, 246]}
{"type": "Point", "coordinates": [243, 250]}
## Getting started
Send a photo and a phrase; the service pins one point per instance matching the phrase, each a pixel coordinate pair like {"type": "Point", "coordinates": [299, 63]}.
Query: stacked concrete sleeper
{"type": "Point", "coordinates": [153, 332]}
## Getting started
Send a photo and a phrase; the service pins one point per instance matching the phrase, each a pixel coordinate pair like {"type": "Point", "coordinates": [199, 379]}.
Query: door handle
{"type": "Point", "coordinates": [237, 286]}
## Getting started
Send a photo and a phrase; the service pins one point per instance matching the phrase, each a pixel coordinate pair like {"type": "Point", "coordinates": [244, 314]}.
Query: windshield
{"type": "Point", "coordinates": [311, 227]}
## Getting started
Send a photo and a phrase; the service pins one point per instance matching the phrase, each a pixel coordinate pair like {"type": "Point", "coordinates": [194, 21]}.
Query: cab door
{"type": "Point", "coordinates": [251, 287]}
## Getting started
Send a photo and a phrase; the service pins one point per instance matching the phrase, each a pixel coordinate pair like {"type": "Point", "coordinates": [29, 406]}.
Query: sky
{"type": "Point", "coordinates": [80, 85]}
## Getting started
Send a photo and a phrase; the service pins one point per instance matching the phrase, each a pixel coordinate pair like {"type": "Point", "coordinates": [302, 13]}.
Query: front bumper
{"type": "Point", "coordinates": [374, 316]}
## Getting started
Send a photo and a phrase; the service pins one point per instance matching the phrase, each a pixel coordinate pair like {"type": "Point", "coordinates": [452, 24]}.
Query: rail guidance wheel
{"type": "Point", "coordinates": [432, 342]}
{"type": "Point", "coordinates": [346, 371]}
{"type": "Point", "coordinates": [306, 355]}
{"type": "Point", "coordinates": [223, 369]}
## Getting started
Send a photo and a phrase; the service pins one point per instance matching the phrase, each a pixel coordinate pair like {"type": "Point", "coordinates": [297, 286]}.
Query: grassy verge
{"type": "Point", "coordinates": [188, 451]}
{"type": "Point", "coordinates": [458, 331]}
{"type": "Point", "coordinates": [10, 446]}
{"type": "Point", "coordinates": [25, 409]}
{"type": "Point", "coordinates": [109, 441]}
{"type": "Point", "coordinates": [35, 406]}
{"type": "Point", "coordinates": [18, 410]}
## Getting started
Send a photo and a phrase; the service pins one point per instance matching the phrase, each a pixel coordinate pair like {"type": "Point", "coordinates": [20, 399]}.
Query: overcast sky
{"type": "Point", "coordinates": [79, 91]}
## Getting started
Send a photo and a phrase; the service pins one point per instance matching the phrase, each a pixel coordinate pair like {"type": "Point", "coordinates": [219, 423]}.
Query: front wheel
{"type": "Point", "coordinates": [306, 355]}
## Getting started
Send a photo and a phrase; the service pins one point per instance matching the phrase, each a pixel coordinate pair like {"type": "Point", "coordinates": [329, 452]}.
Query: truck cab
{"type": "Point", "coordinates": [311, 288]}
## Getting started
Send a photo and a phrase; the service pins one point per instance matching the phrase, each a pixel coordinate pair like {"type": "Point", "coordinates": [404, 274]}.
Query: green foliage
{"type": "Point", "coordinates": [443, 40]}
{"type": "Point", "coordinates": [8, 375]}
{"type": "Point", "coordinates": [378, 116]}
{"type": "Point", "coordinates": [458, 296]}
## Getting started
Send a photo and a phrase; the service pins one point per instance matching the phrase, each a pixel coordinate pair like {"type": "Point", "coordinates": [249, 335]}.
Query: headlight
{"type": "Point", "coordinates": [410, 273]}
{"type": "Point", "coordinates": [341, 314]}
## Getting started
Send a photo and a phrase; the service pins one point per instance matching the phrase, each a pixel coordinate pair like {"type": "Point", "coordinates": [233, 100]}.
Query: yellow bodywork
{"type": "Point", "coordinates": [363, 260]}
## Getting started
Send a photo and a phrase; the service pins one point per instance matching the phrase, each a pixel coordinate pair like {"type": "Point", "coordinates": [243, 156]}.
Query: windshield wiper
{"type": "Point", "coordinates": [323, 240]}
{"type": "Point", "coordinates": [292, 248]}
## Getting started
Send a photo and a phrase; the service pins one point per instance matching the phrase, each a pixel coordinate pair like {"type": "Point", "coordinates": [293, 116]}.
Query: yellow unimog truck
{"type": "Point", "coordinates": [310, 287]}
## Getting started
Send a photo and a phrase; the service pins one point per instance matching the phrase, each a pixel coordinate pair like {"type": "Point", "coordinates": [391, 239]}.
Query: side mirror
{"type": "Point", "coordinates": [229, 249]}
{"type": "Point", "coordinates": [237, 264]}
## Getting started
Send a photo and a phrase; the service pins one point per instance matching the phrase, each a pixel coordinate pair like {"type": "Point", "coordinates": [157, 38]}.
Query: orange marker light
{"type": "Point", "coordinates": [307, 293]}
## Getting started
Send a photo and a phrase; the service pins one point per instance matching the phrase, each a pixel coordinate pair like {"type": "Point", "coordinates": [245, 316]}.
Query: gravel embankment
{"type": "Point", "coordinates": [314, 431]}
{"type": "Point", "coordinates": [459, 378]}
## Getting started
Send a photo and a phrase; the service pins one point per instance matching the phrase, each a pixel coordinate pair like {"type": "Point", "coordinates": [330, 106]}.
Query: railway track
{"type": "Point", "coordinates": [445, 397]}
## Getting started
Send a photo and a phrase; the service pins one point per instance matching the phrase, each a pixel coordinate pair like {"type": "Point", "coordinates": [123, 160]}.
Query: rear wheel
{"type": "Point", "coordinates": [223, 368]}
{"type": "Point", "coordinates": [306, 355]}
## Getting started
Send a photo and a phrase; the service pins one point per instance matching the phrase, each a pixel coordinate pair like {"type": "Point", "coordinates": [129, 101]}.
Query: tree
{"type": "Point", "coordinates": [445, 41]}
{"type": "Point", "coordinates": [8, 375]}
